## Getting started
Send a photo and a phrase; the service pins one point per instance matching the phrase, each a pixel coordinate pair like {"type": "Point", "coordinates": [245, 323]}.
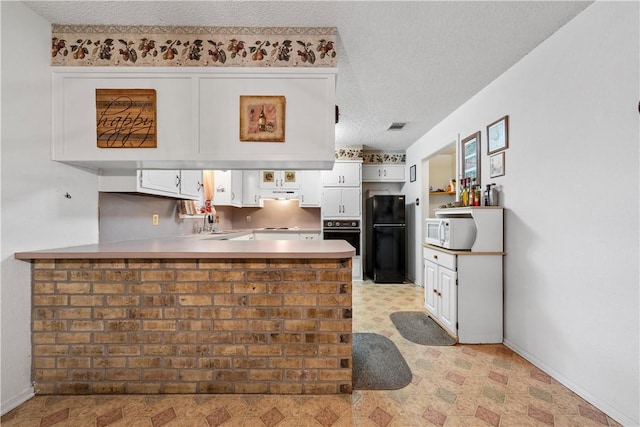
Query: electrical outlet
{"type": "Point", "coordinates": [248, 218]}
{"type": "Point", "coordinates": [155, 219]}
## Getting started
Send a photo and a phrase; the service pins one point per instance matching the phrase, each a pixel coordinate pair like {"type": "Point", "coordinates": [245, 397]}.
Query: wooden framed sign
{"type": "Point", "coordinates": [126, 118]}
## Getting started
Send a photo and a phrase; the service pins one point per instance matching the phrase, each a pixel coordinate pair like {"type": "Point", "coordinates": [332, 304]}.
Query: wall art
{"type": "Point", "coordinates": [126, 118]}
{"type": "Point", "coordinates": [412, 173]}
{"type": "Point", "coordinates": [498, 135]}
{"type": "Point", "coordinates": [496, 165]}
{"type": "Point", "coordinates": [262, 118]}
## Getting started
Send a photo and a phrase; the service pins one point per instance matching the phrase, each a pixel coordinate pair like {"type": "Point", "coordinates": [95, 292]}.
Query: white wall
{"type": "Point", "coordinates": [571, 196]}
{"type": "Point", "coordinates": [35, 212]}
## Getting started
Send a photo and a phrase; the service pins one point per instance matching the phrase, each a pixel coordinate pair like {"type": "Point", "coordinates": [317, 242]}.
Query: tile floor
{"type": "Point", "coordinates": [461, 385]}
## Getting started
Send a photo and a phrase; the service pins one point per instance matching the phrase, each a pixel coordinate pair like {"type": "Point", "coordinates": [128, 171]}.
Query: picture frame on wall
{"type": "Point", "coordinates": [262, 118]}
{"type": "Point", "coordinates": [498, 135]}
{"type": "Point", "coordinates": [496, 165]}
{"type": "Point", "coordinates": [470, 153]}
{"type": "Point", "coordinates": [412, 173]}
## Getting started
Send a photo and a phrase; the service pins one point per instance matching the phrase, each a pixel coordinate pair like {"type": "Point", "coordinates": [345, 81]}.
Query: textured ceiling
{"type": "Point", "coordinates": [398, 61]}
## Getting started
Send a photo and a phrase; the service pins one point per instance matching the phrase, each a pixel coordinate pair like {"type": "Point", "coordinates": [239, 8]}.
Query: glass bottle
{"type": "Point", "coordinates": [464, 195]}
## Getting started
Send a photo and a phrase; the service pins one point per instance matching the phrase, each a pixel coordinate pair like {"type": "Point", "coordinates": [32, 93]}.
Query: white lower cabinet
{"type": "Point", "coordinates": [309, 236]}
{"type": "Point", "coordinates": [463, 291]}
{"type": "Point", "coordinates": [278, 235]}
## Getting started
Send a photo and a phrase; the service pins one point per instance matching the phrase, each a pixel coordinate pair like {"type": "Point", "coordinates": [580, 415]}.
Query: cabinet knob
{"type": "Point", "coordinates": [435, 257]}
{"type": "Point", "coordinates": [435, 292]}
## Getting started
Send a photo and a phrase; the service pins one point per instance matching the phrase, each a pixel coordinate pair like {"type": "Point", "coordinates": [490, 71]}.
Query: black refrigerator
{"type": "Point", "coordinates": [385, 239]}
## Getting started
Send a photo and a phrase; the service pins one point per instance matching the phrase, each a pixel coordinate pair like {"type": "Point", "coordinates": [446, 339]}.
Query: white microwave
{"type": "Point", "coordinates": [450, 233]}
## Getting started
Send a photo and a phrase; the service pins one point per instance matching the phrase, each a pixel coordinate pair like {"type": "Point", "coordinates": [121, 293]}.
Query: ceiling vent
{"type": "Point", "coordinates": [397, 126]}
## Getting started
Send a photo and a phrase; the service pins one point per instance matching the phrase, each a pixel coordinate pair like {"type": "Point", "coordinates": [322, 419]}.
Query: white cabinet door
{"type": "Point", "coordinates": [250, 188]}
{"type": "Point", "coordinates": [343, 174]}
{"type": "Point", "coordinates": [341, 202]}
{"type": "Point", "coordinates": [191, 183]}
{"type": "Point", "coordinates": [272, 179]}
{"type": "Point", "coordinates": [236, 188]}
{"type": "Point", "coordinates": [394, 173]}
{"type": "Point", "coordinates": [221, 188]}
{"type": "Point", "coordinates": [447, 293]}
{"type": "Point", "coordinates": [165, 182]}
{"type": "Point", "coordinates": [351, 202]}
{"type": "Point", "coordinates": [383, 173]}
{"type": "Point", "coordinates": [309, 189]}
{"type": "Point", "coordinates": [331, 202]}
{"type": "Point", "coordinates": [430, 281]}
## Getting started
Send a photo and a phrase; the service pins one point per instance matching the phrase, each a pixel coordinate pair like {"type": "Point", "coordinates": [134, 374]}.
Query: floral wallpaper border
{"type": "Point", "coordinates": [384, 157]}
{"type": "Point", "coordinates": [349, 153]}
{"type": "Point", "coordinates": [370, 157]}
{"type": "Point", "coordinates": [97, 45]}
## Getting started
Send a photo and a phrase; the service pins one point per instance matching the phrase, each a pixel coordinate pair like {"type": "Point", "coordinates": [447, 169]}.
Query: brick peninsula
{"type": "Point", "coordinates": [192, 315]}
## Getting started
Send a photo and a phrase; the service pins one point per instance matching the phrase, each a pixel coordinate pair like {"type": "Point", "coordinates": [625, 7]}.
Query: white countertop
{"type": "Point", "coordinates": [200, 246]}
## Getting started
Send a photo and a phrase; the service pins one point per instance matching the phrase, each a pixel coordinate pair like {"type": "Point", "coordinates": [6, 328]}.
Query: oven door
{"type": "Point", "coordinates": [351, 236]}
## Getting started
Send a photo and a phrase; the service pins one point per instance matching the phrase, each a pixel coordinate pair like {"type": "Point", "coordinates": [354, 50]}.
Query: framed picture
{"type": "Point", "coordinates": [412, 173]}
{"type": "Point", "coordinates": [268, 176]}
{"type": "Point", "coordinates": [262, 118]}
{"type": "Point", "coordinates": [471, 157]}
{"type": "Point", "coordinates": [498, 135]}
{"type": "Point", "coordinates": [496, 165]}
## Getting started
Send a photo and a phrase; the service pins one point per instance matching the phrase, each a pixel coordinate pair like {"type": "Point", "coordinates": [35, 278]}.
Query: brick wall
{"type": "Point", "coordinates": [192, 326]}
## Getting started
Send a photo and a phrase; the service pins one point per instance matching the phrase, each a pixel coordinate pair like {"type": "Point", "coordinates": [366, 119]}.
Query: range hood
{"type": "Point", "coordinates": [281, 194]}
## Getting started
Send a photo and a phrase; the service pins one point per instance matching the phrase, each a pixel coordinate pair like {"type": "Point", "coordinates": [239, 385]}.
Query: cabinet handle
{"type": "Point", "coordinates": [255, 198]}
{"type": "Point", "coordinates": [233, 195]}
{"type": "Point", "coordinates": [378, 173]}
{"type": "Point", "coordinates": [199, 186]}
{"type": "Point", "coordinates": [385, 172]}
{"type": "Point", "coordinates": [177, 180]}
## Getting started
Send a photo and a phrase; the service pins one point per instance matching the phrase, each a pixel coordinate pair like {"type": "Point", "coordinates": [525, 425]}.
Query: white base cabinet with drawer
{"type": "Point", "coordinates": [463, 292]}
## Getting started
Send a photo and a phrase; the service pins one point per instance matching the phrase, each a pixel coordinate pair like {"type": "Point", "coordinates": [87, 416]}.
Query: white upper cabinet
{"type": "Point", "coordinates": [250, 188]}
{"type": "Point", "coordinates": [310, 190]}
{"type": "Point", "coordinates": [184, 184]}
{"type": "Point", "coordinates": [191, 183]}
{"type": "Point", "coordinates": [275, 180]}
{"type": "Point", "coordinates": [197, 118]}
{"type": "Point", "coordinates": [383, 173]}
{"type": "Point", "coordinates": [227, 188]}
{"type": "Point", "coordinates": [343, 174]}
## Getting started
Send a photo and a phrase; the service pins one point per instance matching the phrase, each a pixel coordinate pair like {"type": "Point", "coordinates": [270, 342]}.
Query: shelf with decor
{"type": "Point", "coordinates": [442, 193]}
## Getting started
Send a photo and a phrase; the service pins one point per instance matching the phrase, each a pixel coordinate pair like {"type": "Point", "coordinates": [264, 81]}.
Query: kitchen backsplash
{"type": "Point", "coordinates": [129, 217]}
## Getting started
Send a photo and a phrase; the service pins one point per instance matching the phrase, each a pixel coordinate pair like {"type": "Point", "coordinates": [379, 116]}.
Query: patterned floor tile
{"type": "Point", "coordinates": [55, 418]}
{"type": "Point", "coordinates": [219, 417]}
{"type": "Point", "coordinates": [326, 417]}
{"type": "Point", "coordinates": [380, 417]}
{"type": "Point", "coordinates": [272, 417]}
{"type": "Point", "coordinates": [459, 385]}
